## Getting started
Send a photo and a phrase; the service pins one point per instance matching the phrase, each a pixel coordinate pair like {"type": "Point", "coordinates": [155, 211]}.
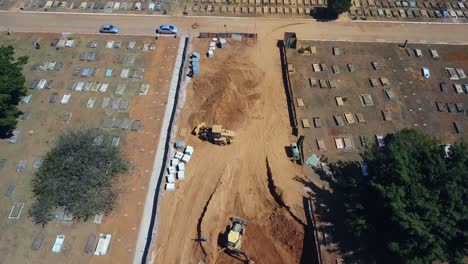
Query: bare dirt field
{"type": "Point", "coordinates": [46, 121]}
{"type": "Point", "coordinates": [240, 88]}
{"type": "Point", "coordinates": [413, 105]}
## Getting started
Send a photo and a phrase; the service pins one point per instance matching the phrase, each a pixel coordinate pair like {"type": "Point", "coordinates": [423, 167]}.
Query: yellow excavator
{"type": "Point", "coordinates": [234, 238]}
{"type": "Point", "coordinates": [215, 134]}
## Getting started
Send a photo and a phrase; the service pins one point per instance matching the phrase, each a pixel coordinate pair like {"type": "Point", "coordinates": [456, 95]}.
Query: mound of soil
{"type": "Point", "coordinates": [228, 94]}
{"type": "Point", "coordinates": [285, 230]}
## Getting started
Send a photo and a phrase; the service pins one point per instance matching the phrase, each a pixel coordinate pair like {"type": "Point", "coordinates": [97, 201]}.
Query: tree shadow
{"type": "Point", "coordinates": [329, 204]}
{"type": "Point", "coordinates": [323, 14]}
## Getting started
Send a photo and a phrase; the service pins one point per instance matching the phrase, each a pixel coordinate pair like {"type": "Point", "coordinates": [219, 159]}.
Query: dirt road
{"type": "Point", "coordinates": [241, 88]}
{"type": "Point", "coordinates": [271, 27]}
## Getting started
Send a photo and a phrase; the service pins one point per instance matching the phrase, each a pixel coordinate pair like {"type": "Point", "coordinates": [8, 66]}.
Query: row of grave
{"type": "Point", "coordinates": [122, 123]}
{"type": "Point", "coordinates": [110, 44]}
{"type": "Point", "coordinates": [322, 67]}
{"type": "Point", "coordinates": [86, 87]}
{"type": "Point", "coordinates": [456, 5]}
{"type": "Point", "coordinates": [251, 10]}
{"type": "Point", "coordinates": [291, 3]}
{"type": "Point", "coordinates": [116, 103]}
{"type": "Point", "coordinates": [106, 6]}
{"type": "Point", "coordinates": [126, 73]}
{"type": "Point", "coordinates": [346, 142]}
{"type": "Point", "coordinates": [121, 59]}
{"type": "Point", "coordinates": [103, 87]}
{"type": "Point", "coordinates": [47, 66]}
{"type": "Point", "coordinates": [6, 3]}
{"type": "Point", "coordinates": [407, 13]}
{"type": "Point", "coordinates": [346, 118]}
{"type": "Point", "coordinates": [450, 107]}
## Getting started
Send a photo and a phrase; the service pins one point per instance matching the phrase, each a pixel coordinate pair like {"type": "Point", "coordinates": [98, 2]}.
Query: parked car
{"type": "Point", "coordinates": [108, 28]}
{"type": "Point", "coordinates": [166, 29]}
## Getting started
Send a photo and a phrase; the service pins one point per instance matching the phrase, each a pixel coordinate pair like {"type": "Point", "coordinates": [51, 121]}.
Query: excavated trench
{"type": "Point", "coordinates": [200, 220]}
{"type": "Point", "coordinates": [278, 197]}
{"type": "Point", "coordinates": [310, 253]}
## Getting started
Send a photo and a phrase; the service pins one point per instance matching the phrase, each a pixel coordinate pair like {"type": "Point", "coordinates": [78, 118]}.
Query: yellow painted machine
{"type": "Point", "coordinates": [233, 239]}
{"type": "Point", "coordinates": [236, 231]}
{"type": "Point", "coordinates": [215, 134]}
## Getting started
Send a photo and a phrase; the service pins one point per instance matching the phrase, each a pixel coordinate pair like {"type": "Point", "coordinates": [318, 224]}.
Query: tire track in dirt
{"type": "Point", "coordinates": [205, 208]}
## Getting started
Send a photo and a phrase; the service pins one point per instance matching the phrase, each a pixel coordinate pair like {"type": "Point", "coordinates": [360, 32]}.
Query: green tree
{"type": "Point", "coordinates": [11, 88]}
{"type": "Point", "coordinates": [411, 208]}
{"type": "Point", "coordinates": [78, 174]}
{"type": "Point", "coordinates": [338, 6]}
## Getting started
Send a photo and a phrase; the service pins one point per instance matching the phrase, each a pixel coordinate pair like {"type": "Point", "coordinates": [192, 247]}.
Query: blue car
{"type": "Point", "coordinates": [166, 29]}
{"type": "Point", "coordinates": [108, 28]}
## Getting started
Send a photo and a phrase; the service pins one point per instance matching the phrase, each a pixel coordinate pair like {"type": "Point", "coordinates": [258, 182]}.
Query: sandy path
{"type": "Point", "coordinates": [241, 89]}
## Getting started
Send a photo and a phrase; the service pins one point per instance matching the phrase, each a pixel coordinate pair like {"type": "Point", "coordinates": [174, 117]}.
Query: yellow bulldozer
{"type": "Point", "coordinates": [215, 134]}
{"type": "Point", "coordinates": [233, 239]}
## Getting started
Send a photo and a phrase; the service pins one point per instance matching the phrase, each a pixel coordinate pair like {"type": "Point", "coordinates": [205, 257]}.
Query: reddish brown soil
{"type": "Point", "coordinates": [241, 89]}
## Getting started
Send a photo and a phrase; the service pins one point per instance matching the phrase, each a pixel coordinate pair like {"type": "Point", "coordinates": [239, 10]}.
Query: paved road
{"type": "Point", "coordinates": [271, 27]}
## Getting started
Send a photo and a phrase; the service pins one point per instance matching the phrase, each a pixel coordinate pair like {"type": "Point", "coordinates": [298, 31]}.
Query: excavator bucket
{"type": "Point", "coordinates": [199, 127]}
{"type": "Point", "coordinates": [240, 221]}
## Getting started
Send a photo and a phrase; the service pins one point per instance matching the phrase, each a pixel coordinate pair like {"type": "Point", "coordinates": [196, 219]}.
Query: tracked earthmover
{"type": "Point", "coordinates": [215, 134]}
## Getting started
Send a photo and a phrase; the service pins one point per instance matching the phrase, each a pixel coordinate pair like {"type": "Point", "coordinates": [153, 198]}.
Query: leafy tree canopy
{"type": "Point", "coordinates": [339, 6]}
{"type": "Point", "coordinates": [11, 89]}
{"type": "Point", "coordinates": [412, 207]}
{"type": "Point", "coordinates": [78, 174]}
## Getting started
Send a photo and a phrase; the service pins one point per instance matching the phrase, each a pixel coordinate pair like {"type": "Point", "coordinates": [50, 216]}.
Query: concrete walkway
{"type": "Point", "coordinates": [158, 165]}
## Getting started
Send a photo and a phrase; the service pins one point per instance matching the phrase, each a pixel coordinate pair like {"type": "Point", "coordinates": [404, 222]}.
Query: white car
{"type": "Point", "coordinates": [167, 29]}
